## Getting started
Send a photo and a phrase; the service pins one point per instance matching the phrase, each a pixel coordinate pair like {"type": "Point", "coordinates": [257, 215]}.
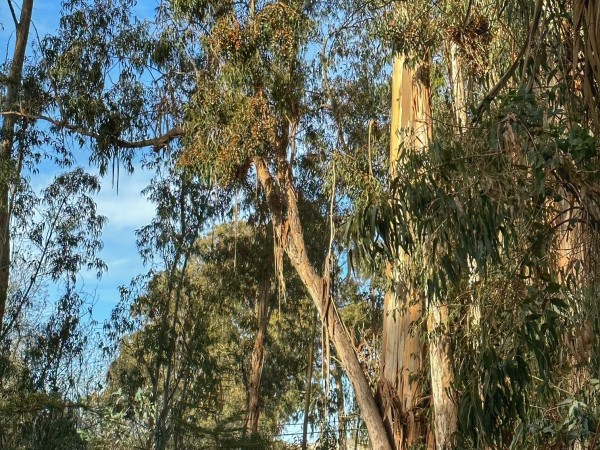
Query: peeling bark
{"type": "Point", "coordinates": [400, 391]}
{"type": "Point", "coordinates": [403, 400]}
{"type": "Point", "coordinates": [401, 394]}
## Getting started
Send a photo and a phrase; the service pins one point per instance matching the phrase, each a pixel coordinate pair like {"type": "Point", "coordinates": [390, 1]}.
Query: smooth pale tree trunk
{"type": "Point", "coordinates": [9, 123]}
{"type": "Point", "coordinates": [445, 407]}
{"type": "Point", "coordinates": [283, 206]}
{"type": "Point", "coordinates": [403, 352]}
{"type": "Point", "coordinates": [457, 87]}
{"type": "Point", "coordinates": [403, 349]}
{"type": "Point", "coordinates": [258, 356]}
{"type": "Point", "coordinates": [400, 391]}
{"type": "Point", "coordinates": [445, 419]}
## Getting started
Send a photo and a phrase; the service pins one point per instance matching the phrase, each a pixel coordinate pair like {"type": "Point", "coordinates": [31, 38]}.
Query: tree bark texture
{"type": "Point", "coordinates": [401, 396]}
{"type": "Point", "coordinates": [403, 400]}
{"type": "Point", "coordinates": [283, 206]}
{"type": "Point", "coordinates": [9, 123]}
{"type": "Point", "coordinates": [445, 420]}
{"type": "Point", "coordinates": [341, 410]}
{"type": "Point", "coordinates": [457, 87]}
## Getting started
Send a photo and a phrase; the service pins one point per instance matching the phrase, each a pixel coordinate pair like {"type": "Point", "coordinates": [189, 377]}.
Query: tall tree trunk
{"type": "Point", "coordinates": [258, 355]}
{"type": "Point", "coordinates": [572, 247]}
{"type": "Point", "coordinates": [445, 409]}
{"type": "Point", "coordinates": [281, 197]}
{"type": "Point", "coordinates": [8, 139]}
{"type": "Point", "coordinates": [574, 244]}
{"type": "Point", "coordinates": [309, 377]}
{"type": "Point", "coordinates": [341, 410]}
{"type": "Point", "coordinates": [403, 348]}
{"type": "Point", "coordinates": [402, 358]}
{"type": "Point", "coordinates": [440, 351]}
{"type": "Point", "coordinates": [457, 87]}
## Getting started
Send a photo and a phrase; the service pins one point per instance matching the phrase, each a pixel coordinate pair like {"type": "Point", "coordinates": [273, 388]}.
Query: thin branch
{"type": "Point", "coordinates": [509, 73]}
{"type": "Point", "coordinates": [12, 12]}
{"type": "Point", "coordinates": [467, 14]}
{"type": "Point", "coordinates": [157, 143]}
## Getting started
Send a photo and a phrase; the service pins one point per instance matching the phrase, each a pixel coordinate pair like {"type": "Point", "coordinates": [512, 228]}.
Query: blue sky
{"type": "Point", "coordinates": [127, 210]}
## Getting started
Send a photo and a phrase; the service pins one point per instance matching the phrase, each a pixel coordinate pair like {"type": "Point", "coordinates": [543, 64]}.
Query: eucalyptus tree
{"type": "Point", "coordinates": [45, 238]}
{"type": "Point", "coordinates": [215, 366]}
{"type": "Point", "coordinates": [164, 367]}
{"type": "Point", "coordinates": [118, 85]}
{"type": "Point", "coordinates": [485, 214]}
{"type": "Point", "coordinates": [492, 167]}
{"type": "Point", "coordinates": [249, 111]}
{"type": "Point", "coordinates": [270, 328]}
{"type": "Point", "coordinates": [58, 96]}
{"type": "Point", "coordinates": [46, 362]}
{"type": "Point", "coordinates": [10, 102]}
{"type": "Point", "coordinates": [61, 93]}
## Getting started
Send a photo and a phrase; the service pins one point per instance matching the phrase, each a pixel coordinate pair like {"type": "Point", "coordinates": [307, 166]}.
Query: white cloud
{"type": "Point", "coordinates": [126, 209]}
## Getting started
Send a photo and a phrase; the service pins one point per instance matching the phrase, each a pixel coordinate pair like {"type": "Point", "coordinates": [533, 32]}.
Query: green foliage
{"type": "Point", "coordinates": [216, 322]}
{"type": "Point", "coordinates": [31, 419]}
{"type": "Point", "coordinates": [251, 79]}
{"type": "Point", "coordinates": [303, 86]}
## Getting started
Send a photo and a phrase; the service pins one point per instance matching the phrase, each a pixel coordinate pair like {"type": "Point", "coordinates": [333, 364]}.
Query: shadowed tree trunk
{"type": "Point", "coordinates": [9, 123]}
{"type": "Point", "coordinates": [445, 409]}
{"type": "Point", "coordinates": [309, 377]}
{"type": "Point", "coordinates": [258, 355]}
{"type": "Point", "coordinates": [574, 246]}
{"type": "Point", "coordinates": [341, 410]}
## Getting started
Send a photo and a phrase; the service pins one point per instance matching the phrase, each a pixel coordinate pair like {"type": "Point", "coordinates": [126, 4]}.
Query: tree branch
{"type": "Point", "coordinates": [12, 11]}
{"type": "Point", "coordinates": [494, 92]}
{"type": "Point", "coordinates": [272, 190]}
{"type": "Point", "coordinates": [157, 143]}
